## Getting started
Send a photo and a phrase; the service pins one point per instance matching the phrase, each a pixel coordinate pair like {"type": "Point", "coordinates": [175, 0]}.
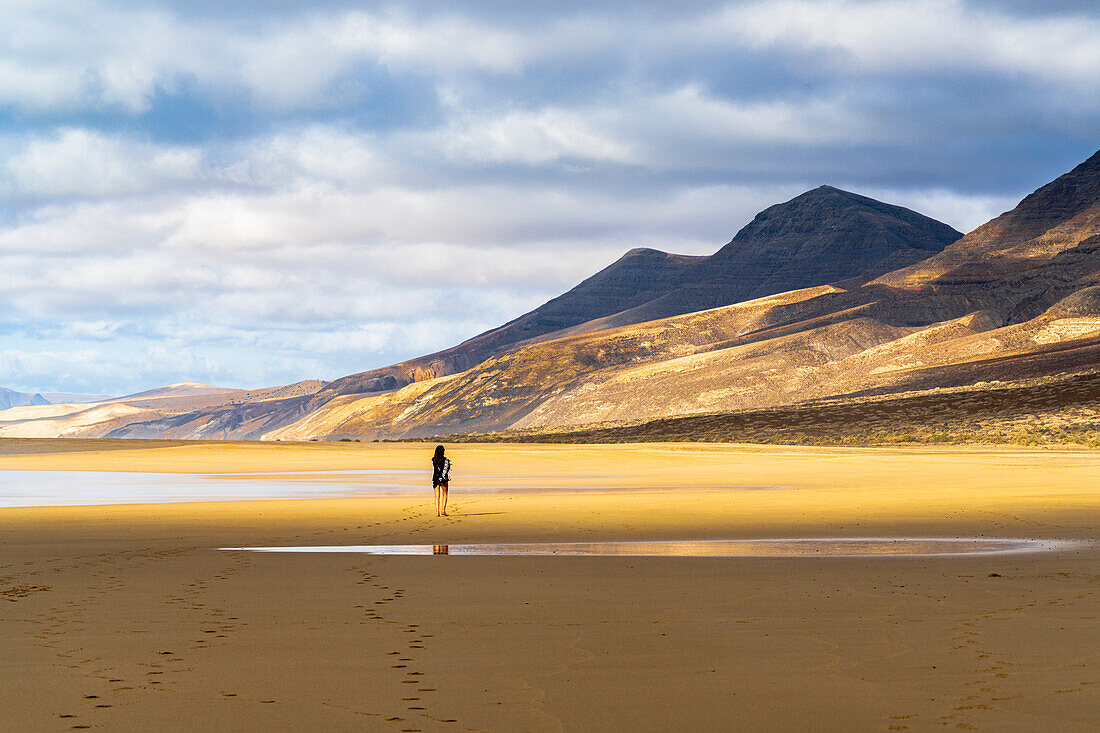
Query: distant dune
{"type": "Point", "coordinates": [97, 419]}
{"type": "Point", "coordinates": [61, 421]}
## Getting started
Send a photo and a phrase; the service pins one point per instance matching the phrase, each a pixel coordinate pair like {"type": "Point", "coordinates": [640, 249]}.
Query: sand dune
{"type": "Point", "coordinates": [65, 420]}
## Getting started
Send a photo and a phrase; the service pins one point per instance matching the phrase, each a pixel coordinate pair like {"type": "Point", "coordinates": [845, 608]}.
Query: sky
{"type": "Point", "coordinates": [253, 193]}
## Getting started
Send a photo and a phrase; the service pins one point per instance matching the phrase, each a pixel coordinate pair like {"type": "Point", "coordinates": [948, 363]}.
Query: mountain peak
{"type": "Point", "coordinates": [828, 208]}
{"type": "Point", "coordinates": [826, 235]}
{"type": "Point", "coordinates": [1056, 202]}
{"type": "Point", "coordinates": [1055, 218]}
{"type": "Point", "coordinates": [644, 253]}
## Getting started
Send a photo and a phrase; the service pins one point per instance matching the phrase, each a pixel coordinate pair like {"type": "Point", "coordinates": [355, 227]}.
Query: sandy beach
{"type": "Point", "coordinates": [128, 617]}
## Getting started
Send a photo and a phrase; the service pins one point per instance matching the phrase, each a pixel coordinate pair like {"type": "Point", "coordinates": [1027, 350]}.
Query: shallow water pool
{"type": "Point", "coordinates": [74, 488]}
{"type": "Point", "coordinates": [768, 547]}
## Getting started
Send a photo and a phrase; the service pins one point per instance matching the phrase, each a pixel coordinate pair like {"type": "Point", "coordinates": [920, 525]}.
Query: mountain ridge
{"type": "Point", "coordinates": [797, 243]}
{"type": "Point", "coordinates": [11, 398]}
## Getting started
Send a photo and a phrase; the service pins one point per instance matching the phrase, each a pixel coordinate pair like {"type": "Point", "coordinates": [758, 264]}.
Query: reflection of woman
{"type": "Point", "coordinates": [441, 478]}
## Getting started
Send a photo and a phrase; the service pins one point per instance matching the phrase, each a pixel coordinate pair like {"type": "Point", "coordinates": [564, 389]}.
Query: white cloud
{"type": "Point", "coordinates": [89, 55]}
{"type": "Point", "coordinates": [321, 233]}
{"type": "Point", "coordinates": [686, 125]}
{"type": "Point", "coordinates": [315, 153]}
{"type": "Point", "coordinates": [682, 127]}
{"type": "Point", "coordinates": [533, 137]}
{"type": "Point", "coordinates": [93, 55]}
{"type": "Point", "coordinates": [893, 35]}
{"type": "Point", "coordinates": [965, 212]}
{"type": "Point", "coordinates": [91, 330]}
{"type": "Point", "coordinates": [74, 161]}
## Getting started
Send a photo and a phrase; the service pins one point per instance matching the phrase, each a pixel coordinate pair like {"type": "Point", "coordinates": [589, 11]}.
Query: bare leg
{"type": "Point", "coordinates": [436, 500]}
{"type": "Point", "coordinates": [443, 491]}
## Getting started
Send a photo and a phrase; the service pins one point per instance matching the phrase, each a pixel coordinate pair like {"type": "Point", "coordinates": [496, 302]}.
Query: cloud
{"type": "Point", "coordinates": [88, 55]}
{"type": "Point", "coordinates": [893, 35]}
{"type": "Point", "coordinates": [81, 162]}
{"type": "Point", "coordinates": [964, 212]}
{"type": "Point", "coordinates": [279, 190]}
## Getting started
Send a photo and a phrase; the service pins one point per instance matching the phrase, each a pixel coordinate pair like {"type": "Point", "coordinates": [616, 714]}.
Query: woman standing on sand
{"type": "Point", "coordinates": [441, 479]}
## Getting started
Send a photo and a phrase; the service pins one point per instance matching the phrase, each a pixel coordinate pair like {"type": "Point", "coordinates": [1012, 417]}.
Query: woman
{"type": "Point", "coordinates": [441, 479]}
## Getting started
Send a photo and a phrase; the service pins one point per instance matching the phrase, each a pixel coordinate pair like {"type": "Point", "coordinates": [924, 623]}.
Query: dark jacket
{"type": "Point", "coordinates": [442, 473]}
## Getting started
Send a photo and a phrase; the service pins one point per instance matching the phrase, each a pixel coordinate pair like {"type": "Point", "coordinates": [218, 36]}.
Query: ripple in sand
{"type": "Point", "coordinates": [770, 547]}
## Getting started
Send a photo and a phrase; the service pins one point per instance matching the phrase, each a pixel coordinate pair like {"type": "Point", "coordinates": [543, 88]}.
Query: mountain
{"type": "Point", "coordinates": [1013, 305]}
{"type": "Point", "coordinates": [822, 236]}
{"type": "Point", "coordinates": [1016, 299]}
{"type": "Point", "coordinates": [11, 398]}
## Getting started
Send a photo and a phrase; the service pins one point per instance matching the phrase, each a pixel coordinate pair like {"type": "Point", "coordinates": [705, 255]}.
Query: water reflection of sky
{"type": "Point", "coordinates": [64, 488]}
{"type": "Point", "coordinates": [67, 488]}
{"type": "Point", "coordinates": [769, 547]}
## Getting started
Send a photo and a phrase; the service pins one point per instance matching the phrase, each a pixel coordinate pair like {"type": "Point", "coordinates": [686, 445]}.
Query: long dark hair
{"type": "Point", "coordinates": [437, 459]}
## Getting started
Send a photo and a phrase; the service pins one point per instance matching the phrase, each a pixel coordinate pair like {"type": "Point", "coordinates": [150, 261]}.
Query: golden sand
{"type": "Point", "coordinates": [128, 618]}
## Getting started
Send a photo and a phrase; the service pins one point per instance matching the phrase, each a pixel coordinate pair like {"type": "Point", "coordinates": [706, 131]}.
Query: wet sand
{"type": "Point", "coordinates": [128, 617]}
